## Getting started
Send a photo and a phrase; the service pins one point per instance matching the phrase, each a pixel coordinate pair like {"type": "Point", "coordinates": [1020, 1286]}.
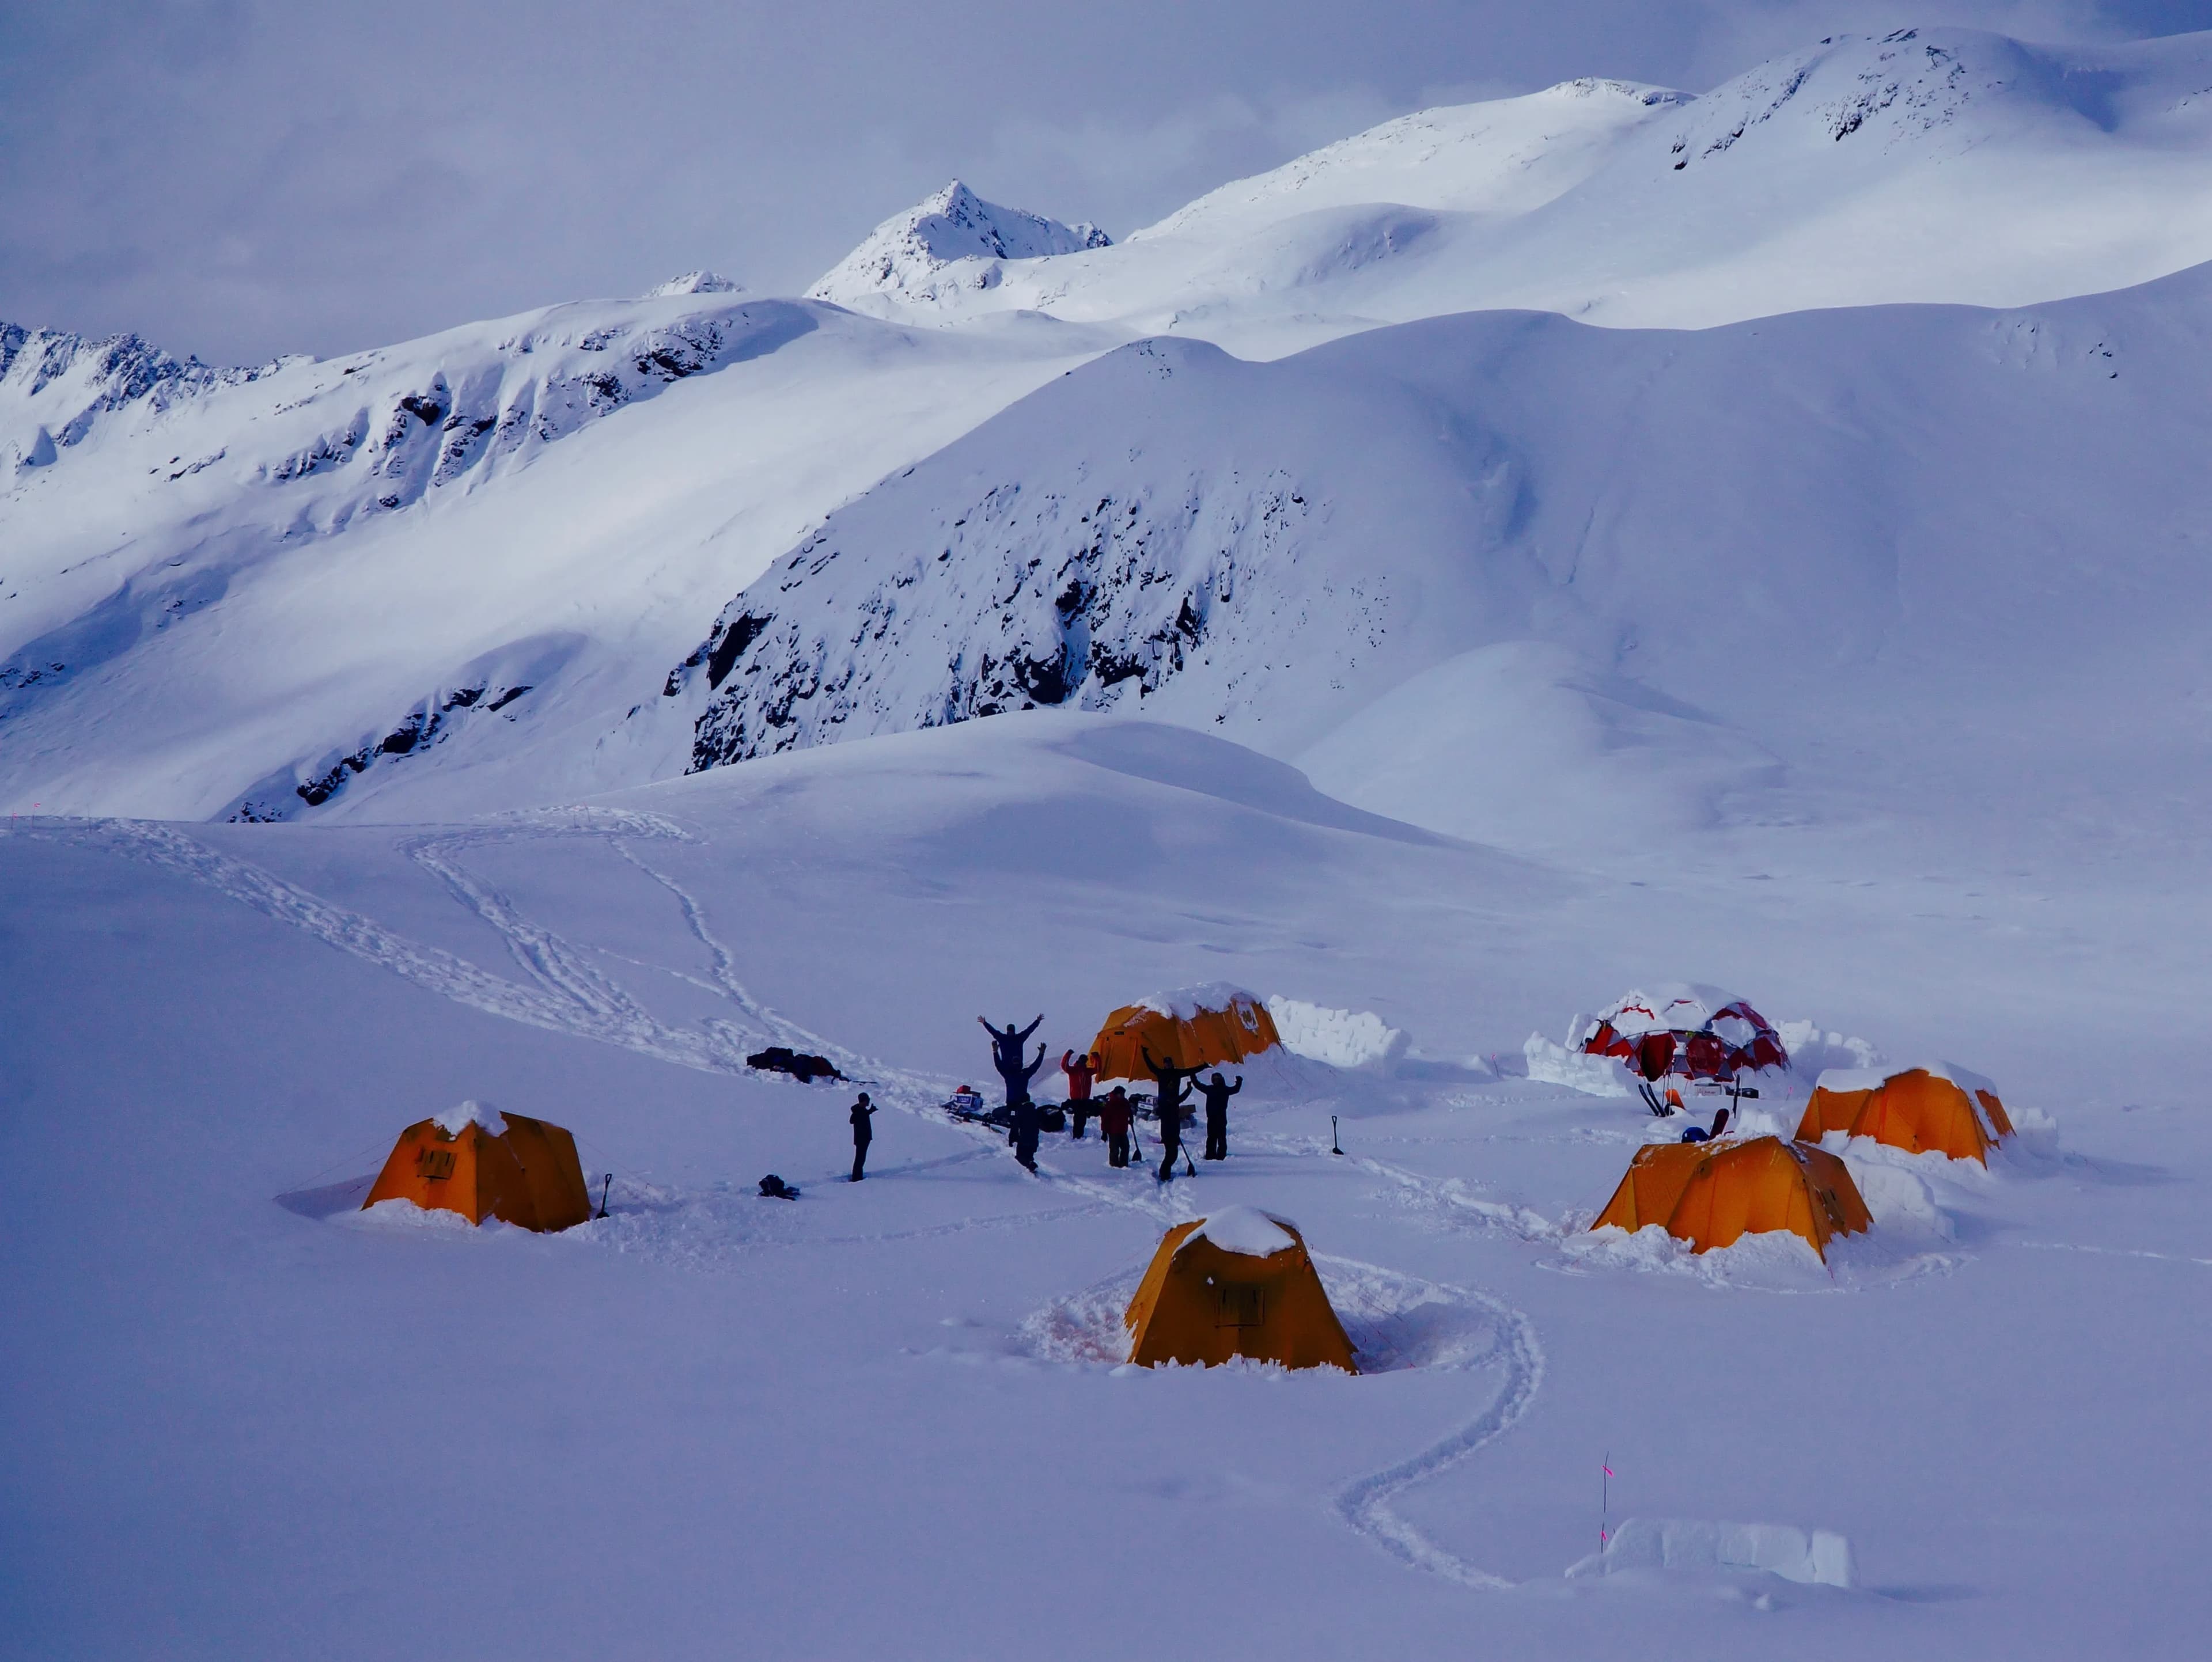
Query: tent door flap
{"type": "Point", "coordinates": [1238, 1306]}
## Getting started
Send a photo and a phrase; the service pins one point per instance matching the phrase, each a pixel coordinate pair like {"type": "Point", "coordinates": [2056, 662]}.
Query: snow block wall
{"type": "Point", "coordinates": [1817, 1555]}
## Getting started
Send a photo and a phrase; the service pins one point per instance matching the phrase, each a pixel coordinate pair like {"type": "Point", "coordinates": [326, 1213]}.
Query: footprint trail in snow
{"type": "Point", "coordinates": [566, 993]}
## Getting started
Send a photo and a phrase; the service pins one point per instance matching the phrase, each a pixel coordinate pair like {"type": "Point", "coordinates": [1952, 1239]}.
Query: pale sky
{"type": "Point", "coordinates": [240, 178]}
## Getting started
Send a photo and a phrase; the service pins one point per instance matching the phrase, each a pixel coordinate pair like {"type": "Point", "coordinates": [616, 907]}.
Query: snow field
{"type": "Point", "coordinates": [926, 1359]}
{"type": "Point", "coordinates": [1436, 680]}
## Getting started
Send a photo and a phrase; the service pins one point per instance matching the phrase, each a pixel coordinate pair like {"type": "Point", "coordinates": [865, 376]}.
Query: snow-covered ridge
{"type": "Point", "coordinates": [176, 482]}
{"type": "Point", "coordinates": [1931, 165]}
{"type": "Point", "coordinates": [950, 241]}
{"type": "Point", "coordinates": [1264, 549]}
{"type": "Point", "coordinates": [1502, 152]}
{"type": "Point", "coordinates": [55, 385]}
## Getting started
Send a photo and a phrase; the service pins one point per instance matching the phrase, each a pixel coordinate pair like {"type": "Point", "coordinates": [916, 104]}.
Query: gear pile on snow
{"type": "Point", "coordinates": [781, 1059]}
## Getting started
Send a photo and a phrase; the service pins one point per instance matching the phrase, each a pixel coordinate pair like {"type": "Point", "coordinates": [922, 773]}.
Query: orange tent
{"type": "Point", "coordinates": [482, 1163]}
{"type": "Point", "coordinates": [1213, 1025]}
{"type": "Point", "coordinates": [1712, 1194]}
{"type": "Point", "coordinates": [1916, 1110]}
{"type": "Point", "coordinates": [1236, 1283]}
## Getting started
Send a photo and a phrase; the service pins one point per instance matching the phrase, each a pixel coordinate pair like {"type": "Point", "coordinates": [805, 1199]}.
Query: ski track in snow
{"type": "Point", "coordinates": [567, 995]}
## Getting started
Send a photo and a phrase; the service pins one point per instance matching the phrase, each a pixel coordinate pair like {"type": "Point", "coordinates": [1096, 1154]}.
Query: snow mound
{"type": "Point", "coordinates": [1244, 1230]}
{"type": "Point", "coordinates": [457, 1119]}
{"type": "Point", "coordinates": [1897, 1197]}
{"type": "Point", "coordinates": [1814, 1050]}
{"type": "Point", "coordinates": [406, 1215]}
{"type": "Point", "coordinates": [1341, 1037]}
{"type": "Point", "coordinates": [1772, 1261]}
{"type": "Point", "coordinates": [951, 240]}
{"type": "Point", "coordinates": [1816, 1556]}
{"type": "Point", "coordinates": [1556, 1064]}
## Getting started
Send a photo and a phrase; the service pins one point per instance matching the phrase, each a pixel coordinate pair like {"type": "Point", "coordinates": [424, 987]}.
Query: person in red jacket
{"type": "Point", "coordinates": [1080, 1071]}
{"type": "Point", "coordinates": [1114, 1115]}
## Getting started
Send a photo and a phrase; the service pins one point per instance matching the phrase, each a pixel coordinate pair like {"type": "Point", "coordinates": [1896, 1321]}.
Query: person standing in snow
{"type": "Point", "coordinates": [863, 1134]}
{"type": "Point", "coordinates": [1216, 1093]}
{"type": "Point", "coordinates": [1006, 1057]}
{"type": "Point", "coordinates": [1114, 1114]}
{"type": "Point", "coordinates": [1018, 1079]}
{"type": "Point", "coordinates": [1080, 1071]}
{"type": "Point", "coordinates": [1028, 1122]}
{"type": "Point", "coordinates": [1174, 1092]}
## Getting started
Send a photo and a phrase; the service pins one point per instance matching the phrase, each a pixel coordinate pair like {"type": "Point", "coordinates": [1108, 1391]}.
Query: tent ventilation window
{"type": "Point", "coordinates": [436, 1163]}
{"type": "Point", "coordinates": [1238, 1306]}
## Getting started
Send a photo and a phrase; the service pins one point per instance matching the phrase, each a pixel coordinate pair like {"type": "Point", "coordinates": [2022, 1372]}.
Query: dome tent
{"type": "Point", "coordinates": [1712, 1194]}
{"type": "Point", "coordinates": [1238, 1282]}
{"type": "Point", "coordinates": [481, 1164]}
{"type": "Point", "coordinates": [1939, 1106]}
{"type": "Point", "coordinates": [1680, 1028]}
{"type": "Point", "coordinates": [1215, 1025]}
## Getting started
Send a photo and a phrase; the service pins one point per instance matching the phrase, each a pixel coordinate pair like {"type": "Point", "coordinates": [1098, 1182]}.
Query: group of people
{"type": "Point", "coordinates": [1116, 1112]}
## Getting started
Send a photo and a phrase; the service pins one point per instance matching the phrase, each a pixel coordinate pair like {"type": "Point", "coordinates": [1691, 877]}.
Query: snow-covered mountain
{"type": "Point", "coordinates": [302, 589]}
{"type": "Point", "coordinates": [257, 594]}
{"type": "Point", "coordinates": [1928, 165]}
{"type": "Point", "coordinates": [946, 244]}
{"type": "Point", "coordinates": [1483, 539]}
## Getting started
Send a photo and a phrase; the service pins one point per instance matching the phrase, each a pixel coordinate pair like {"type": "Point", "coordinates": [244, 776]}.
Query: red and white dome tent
{"type": "Point", "coordinates": [1688, 1031]}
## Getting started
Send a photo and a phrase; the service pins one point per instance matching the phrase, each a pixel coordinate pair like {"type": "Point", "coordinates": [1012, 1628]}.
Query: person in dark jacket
{"type": "Point", "coordinates": [1173, 1093]}
{"type": "Point", "coordinates": [1006, 1045]}
{"type": "Point", "coordinates": [863, 1134]}
{"type": "Point", "coordinates": [1080, 1071]}
{"type": "Point", "coordinates": [1028, 1122]}
{"type": "Point", "coordinates": [1018, 1079]}
{"type": "Point", "coordinates": [1006, 1058]}
{"type": "Point", "coordinates": [1217, 1092]}
{"type": "Point", "coordinates": [1114, 1115]}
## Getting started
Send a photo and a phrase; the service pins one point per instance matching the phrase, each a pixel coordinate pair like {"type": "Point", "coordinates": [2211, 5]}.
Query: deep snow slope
{"type": "Point", "coordinates": [1472, 571]}
{"type": "Point", "coordinates": [228, 595]}
{"type": "Point", "coordinates": [244, 1421]}
{"type": "Point", "coordinates": [1928, 165]}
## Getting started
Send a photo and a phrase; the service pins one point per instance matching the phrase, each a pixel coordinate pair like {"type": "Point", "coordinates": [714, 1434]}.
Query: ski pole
{"type": "Point", "coordinates": [604, 1187]}
{"type": "Point", "coordinates": [1332, 1147]}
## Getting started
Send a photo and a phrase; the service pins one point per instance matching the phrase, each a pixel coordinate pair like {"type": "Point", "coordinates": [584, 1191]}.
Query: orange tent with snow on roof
{"type": "Point", "coordinates": [1237, 1282]}
{"type": "Point", "coordinates": [1940, 1107]}
{"type": "Point", "coordinates": [1713, 1194]}
{"type": "Point", "coordinates": [1215, 1025]}
{"type": "Point", "coordinates": [482, 1163]}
